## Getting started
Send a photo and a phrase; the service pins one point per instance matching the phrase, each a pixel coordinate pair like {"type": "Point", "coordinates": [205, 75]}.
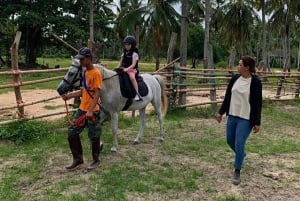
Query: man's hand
{"type": "Point", "coordinates": [90, 116]}
{"type": "Point", "coordinates": [65, 97]}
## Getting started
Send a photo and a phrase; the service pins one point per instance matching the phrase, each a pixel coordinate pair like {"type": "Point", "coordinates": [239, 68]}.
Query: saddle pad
{"type": "Point", "coordinates": [126, 87]}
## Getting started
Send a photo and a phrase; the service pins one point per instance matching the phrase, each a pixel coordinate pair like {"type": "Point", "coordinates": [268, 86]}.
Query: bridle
{"type": "Point", "coordinates": [76, 77]}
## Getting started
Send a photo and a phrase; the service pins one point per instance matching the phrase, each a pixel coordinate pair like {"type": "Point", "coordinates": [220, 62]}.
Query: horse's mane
{"type": "Point", "coordinates": [106, 73]}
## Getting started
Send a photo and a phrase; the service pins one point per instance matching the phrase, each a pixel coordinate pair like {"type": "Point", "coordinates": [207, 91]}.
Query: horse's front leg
{"type": "Point", "coordinates": [114, 127]}
{"type": "Point", "coordinates": [142, 113]}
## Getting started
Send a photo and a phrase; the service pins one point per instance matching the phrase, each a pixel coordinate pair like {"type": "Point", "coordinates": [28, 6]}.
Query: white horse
{"type": "Point", "coordinates": [113, 102]}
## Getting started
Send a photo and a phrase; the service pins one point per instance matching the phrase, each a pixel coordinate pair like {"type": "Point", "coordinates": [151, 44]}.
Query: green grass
{"type": "Point", "coordinates": [64, 63]}
{"type": "Point", "coordinates": [193, 160]}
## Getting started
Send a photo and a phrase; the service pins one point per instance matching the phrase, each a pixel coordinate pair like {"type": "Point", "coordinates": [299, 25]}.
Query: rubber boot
{"type": "Point", "coordinates": [95, 153]}
{"type": "Point", "coordinates": [76, 149]}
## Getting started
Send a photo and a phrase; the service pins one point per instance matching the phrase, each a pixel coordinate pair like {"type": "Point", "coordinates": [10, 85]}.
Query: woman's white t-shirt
{"type": "Point", "coordinates": [240, 93]}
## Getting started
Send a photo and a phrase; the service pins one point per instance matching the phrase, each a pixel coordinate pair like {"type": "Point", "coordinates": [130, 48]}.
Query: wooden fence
{"type": "Point", "coordinates": [17, 83]}
{"type": "Point", "coordinates": [185, 87]}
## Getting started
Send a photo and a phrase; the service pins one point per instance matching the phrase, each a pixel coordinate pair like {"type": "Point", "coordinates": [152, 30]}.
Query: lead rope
{"type": "Point", "coordinates": [68, 114]}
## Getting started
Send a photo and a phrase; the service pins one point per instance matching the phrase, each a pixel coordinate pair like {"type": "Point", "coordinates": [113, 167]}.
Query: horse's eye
{"type": "Point", "coordinates": [71, 73]}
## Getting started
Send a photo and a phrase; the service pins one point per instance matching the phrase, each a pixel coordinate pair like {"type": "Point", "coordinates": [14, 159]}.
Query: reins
{"type": "Point", "coordinates": [110, 77]}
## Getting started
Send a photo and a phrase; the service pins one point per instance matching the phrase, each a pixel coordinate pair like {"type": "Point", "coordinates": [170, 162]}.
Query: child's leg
{"type": "Point", "coordinates": [131, 74]}
{"type": "Point", "coordinates": [133, 81]}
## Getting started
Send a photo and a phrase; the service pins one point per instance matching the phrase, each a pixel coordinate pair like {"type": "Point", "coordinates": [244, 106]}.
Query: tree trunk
{"type": "Point", "coordinates": [32, 38]}
{"type": "Point", "coordinates": [183, 49]}
{"type": "Point", "coordinates": [286, 50]}
{"type": "Point", "coordinates": [206, 37]}
{"type": "Point", "coordinates": [172, 46]}
{"type": "Point", "coordinates": [137, 35]}
{"type": "Point", "coordinates": [183, 33]}
{"type": "Point", "coordinates": [157, 62]}
{"type": "Point", "coordinates": [232, 57]}
{"type": "Point", "coordinates": [264, 35]}
{"type": "Point", "coordinates": [298, 62]}
{"type": "Point", "coordinates": [91, 21]}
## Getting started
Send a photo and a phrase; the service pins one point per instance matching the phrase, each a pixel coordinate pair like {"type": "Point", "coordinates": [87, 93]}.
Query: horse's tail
{"type": "Point", "coordinates": [164, 100]}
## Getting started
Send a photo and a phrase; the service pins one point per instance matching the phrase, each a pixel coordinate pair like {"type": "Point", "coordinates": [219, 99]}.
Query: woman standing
{"type": "Point", "coordinates": [242, 104]}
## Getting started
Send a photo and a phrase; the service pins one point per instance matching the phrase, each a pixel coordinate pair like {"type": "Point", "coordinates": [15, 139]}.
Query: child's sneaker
{"type": "Point", "coordinates": [138, 98]}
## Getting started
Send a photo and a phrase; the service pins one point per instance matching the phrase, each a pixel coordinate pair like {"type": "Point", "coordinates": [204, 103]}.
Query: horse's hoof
{"type": "Point", "coordinates": [101, 146]}
{"type": "Point", "coordinates": [113, 151]}
{"type": "Point", "coordinates": [161, 140]}
{"type": "Point", "coordinates": [135, 142]}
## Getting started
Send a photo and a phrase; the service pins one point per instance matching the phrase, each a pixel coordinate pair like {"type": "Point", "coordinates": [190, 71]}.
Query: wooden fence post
{"type": "Point", "coordinates": [280, 83]}
{"type": "Point", "coordinates": [16, 76]}
{"type": "Point", "coordinates": [182, 86]}
{"type": "Point", "coordinates": [297, 91]}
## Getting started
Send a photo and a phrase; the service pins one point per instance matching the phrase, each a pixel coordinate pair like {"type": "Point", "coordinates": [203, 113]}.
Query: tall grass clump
{"type": "Point", "coordinates": [20, 132]}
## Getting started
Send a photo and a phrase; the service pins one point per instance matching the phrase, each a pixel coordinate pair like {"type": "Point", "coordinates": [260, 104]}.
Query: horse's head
{"type": "Point", "coordinates": [72, 80]}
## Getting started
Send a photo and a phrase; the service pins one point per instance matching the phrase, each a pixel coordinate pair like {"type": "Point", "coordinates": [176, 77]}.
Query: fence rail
{"type": "Point", "coordinates": [185, 87]}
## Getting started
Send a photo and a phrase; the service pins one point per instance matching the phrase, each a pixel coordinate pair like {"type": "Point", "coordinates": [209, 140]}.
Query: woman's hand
{"type": "Point", "coordinates": [219, 117]}
{"type": "Point", "coordinates": [256, 128]}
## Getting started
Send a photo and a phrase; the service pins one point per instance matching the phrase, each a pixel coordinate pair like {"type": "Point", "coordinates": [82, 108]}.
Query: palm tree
{"type": "Point", "coordinates": [260, 5]}
{"type": "Point", "coordinates": [284, 16]}
{"type": "Point", "coordinates": [237, 26]}
{"type": "Point", "coordinates": [206, 36]}
{"type": "Point", "coordinates": [156, 21]}
{"type": "Point", "coordinates": [195, 11]}
{"type": "Point", "coordinates": [183, 32]}
{"type": "Point", "coordinates": [128, 19]}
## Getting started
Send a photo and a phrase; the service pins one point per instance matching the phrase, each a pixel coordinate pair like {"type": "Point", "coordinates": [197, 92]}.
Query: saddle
{"type": "Point", "coordinates": [126, 87]}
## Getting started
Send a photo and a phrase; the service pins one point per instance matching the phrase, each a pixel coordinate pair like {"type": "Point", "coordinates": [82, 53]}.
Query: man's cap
{"type": "Point", "coordinates": [83, 52]}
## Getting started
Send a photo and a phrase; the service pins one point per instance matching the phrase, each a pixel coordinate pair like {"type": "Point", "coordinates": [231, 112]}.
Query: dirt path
{"type": "Point", "coordinates": [29, 96]}
{"type": "Point", "coordinates": [57, 105]}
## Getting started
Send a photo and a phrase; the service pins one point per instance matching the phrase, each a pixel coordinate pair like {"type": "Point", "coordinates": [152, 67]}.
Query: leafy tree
{"type": "Point", "coordinates": [38, 18]}
{"type": "Point", "coordinates": [156, 21]}
{"type": "Point", "coordinates": [195, 43]}
{"type": "Point", "coordinates": [237, 20]}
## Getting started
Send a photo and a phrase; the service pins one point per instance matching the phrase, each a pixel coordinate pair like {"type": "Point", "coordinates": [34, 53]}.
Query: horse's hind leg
{"type": "Point", "coordinates": [142, 113]}
{"type": "Point", "coordinates": [114, 126]}
{"type": "Point", "coordinates": [157, 107]}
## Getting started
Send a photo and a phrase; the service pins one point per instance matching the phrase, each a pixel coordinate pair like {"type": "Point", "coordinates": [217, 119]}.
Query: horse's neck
{"type": "Point", "coordinates": [106, 73]}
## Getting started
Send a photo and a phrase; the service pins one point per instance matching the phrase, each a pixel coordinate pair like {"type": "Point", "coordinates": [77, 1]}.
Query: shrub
{"type": "Point", "coordinates": [222, 64]}
{"type": "Point", "coordinates": [20, 132]}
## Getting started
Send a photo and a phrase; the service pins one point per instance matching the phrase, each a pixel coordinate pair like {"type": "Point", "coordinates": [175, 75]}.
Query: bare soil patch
{"type": "Point", "coordinates": [57, 105]}
{"type": "Point", "coordinates": [29, 96]}
{"type": "Point", "coordinates": [274, 177]}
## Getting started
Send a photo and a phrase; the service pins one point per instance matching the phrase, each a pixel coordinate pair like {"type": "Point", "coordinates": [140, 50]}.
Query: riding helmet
{"type": "Point", "coordinates": [130, 40]}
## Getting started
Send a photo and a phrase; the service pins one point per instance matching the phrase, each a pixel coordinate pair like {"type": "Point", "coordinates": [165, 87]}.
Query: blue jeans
{"type": "Point", "coordinates": [237, 132]}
